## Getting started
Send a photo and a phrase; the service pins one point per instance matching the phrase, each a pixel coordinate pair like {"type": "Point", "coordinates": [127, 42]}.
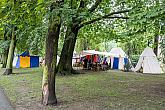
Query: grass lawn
{"type": "Point", "coordinates": [106, 90]}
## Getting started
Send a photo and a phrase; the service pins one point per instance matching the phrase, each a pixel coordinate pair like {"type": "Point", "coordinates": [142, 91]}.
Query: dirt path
{"type": "Point", "coordinates": [4, 102]}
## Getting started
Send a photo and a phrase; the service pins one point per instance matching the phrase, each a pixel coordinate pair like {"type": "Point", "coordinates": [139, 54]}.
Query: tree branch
{"type": "Point", "coordinates": [104, 17]}
{"type": "Point", "coordinates": [120, 17]}
{"type": "Point", "coordinates": [94, 6]}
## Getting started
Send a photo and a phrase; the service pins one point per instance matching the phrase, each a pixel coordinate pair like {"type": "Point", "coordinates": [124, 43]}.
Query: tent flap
{"type": "Point", "coordinates": [34, 61]}
{"type": "Point", "coordinates": [116, 63]}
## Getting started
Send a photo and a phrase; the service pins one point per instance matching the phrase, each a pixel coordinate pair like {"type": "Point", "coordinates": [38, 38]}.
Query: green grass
{"type": "Point", "coordinates": [91, 91]}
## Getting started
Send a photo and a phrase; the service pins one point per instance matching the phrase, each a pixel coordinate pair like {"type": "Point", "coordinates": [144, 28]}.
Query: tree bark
{"type": "Point", "coordinates": [6, 51]}
{"type": "Point", "coordinates": [49, 73]}
{"type": "Point", "coordinates": [156, 42]}
{"type": "Point", "coordinates": [10, 57]}
{"type": "Point", "coordinates": [50, 68]}
{"type": "Point", "coordinates": [4, 58]}
{"type": "Point", "coordinates": [65, 63]}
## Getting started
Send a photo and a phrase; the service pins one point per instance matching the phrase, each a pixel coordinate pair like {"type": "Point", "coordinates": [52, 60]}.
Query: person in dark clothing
{"type": "Point", "coordinates": [85, 62]}
{"type": "Point", "coordinates": [90, 64]}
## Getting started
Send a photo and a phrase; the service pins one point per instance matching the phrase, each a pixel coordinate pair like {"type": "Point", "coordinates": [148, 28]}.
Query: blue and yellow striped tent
{"type": "Point", "coordinates": [27, 61]}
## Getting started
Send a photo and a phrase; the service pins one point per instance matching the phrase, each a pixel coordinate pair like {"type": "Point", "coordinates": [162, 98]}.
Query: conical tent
{"type": "Point", "coordinates": [118, 52]}
{"type": "Point", "coordinates": [118, 58]}
{"type": "Point", "coordinates": [148, 62]}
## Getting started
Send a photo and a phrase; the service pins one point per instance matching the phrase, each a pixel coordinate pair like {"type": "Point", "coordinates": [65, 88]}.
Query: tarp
{"type": "Point", "coordinates": [24, 62]}
{"type": "Point", "coordinates": [34, 61]}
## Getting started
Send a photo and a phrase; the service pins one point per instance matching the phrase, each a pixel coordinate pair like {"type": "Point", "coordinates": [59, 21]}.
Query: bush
{"type": "Point", "coordinates": [127, 67]}
{"type": "Point", "coordinates": [135, 59]}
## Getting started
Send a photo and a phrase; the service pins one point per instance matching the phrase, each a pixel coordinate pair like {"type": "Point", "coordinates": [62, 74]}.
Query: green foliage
{"type": "Point", "coordinates": [4, 45]}
{"type": "Point", "coordinates": [36, 41]}
{"type": "Point", "coordinates": [31, 19]}
{"type": "Point", "coordinates": [146, 20]}
{"type": "Point", "coordinates": [24, 15]}
{"type": "Point", "coordinates": [127, 67]}
{"type": "Point", "coordinates": [94, 35]}
{"type": "Point", "coordinates": [135, 59]}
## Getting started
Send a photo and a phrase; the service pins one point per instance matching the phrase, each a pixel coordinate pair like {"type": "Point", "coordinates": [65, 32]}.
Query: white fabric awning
{"type": "Point", "coordinates": [92, 52]}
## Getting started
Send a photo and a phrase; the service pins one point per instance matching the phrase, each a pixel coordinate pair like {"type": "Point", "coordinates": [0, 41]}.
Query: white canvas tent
{"type": "Point", "coordinates": [118, 52]}
{"type": "Point", "coordinates": [117, 58]}
{"type": "Point", "coordinates": [15, 61]}
{"type": "Point", "coordinates": [149, 62]}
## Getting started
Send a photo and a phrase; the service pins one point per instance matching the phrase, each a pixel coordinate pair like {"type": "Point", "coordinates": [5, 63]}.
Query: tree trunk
{"type": "Point", "coordinates": [4, 58]}
{"type": "Point", "coordinates": [65, 63]}
{"type": "Point", "coordinates": [6, 51]}
{"type": "Point", "coordinates": [49, 73]}
{"type": "Point", "coordinates": [10, 57]}
{"type": "Point", "coordinates": [156, 42]}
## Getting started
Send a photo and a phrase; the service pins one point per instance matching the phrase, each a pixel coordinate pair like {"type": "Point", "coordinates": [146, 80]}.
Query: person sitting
{"type": "Point", "coordinates": [105, 64]}
{"type": "Point", "coordinates": [90, 64]}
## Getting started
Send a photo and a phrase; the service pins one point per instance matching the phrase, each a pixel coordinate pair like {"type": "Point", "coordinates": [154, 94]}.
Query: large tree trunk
{"type": "Point", "coordinates": [4, 58]}
{"type": "Point", "coordinates": [50, 69]}
{"type": "Point", "coordinates": [6, 51]}
{"type": "Point", "coordinates": [156, 42]}
{"type": "Point", "coordinates": [10, 57]}
{"type": "Point", "coordinates": [49, 73]}
{"type": "Point", "coordinates": [65, 63]}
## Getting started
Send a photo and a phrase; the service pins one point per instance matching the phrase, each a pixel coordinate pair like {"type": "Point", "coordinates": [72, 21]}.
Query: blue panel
{"type": "Point", "coordinates": [116, 63]}
{"type": "Point", "coordinates": [18, 62]}
{"type": "Point", "coordinates": [34, 61]}
{"type": "Point", "coordinates": [125, 60]}
{"type": "Point", "coordinates": [26, 53]}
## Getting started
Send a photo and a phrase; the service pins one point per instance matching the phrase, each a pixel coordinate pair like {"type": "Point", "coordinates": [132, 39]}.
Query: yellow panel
{"type": "Point", "coordinates": [24, 62]}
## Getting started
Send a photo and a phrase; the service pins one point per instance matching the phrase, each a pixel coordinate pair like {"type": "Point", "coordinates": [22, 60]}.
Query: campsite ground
{"type": "Point", "coordinates": [91, 91]}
